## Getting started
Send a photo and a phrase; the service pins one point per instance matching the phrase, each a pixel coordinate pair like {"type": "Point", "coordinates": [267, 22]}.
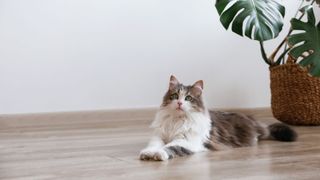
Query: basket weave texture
{"type": "Point", "coordinates": [295, 95]}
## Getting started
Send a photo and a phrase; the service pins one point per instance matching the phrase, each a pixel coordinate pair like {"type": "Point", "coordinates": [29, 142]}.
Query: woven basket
{"type": "Point", "coordinates": [295, 95]}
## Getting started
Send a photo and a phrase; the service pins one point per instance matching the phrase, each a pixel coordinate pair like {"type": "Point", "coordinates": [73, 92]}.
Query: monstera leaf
{"type": "Point", "coordinates": [257, 19]}
{"type": "Point", "coordinates": [307, 41]}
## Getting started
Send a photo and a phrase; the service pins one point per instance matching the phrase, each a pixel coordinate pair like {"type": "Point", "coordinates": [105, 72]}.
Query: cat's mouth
{"type": "Point", "coordinates": [179, 109]}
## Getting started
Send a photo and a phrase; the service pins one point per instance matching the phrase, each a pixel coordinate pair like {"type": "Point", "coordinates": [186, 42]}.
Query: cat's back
{"type": "Point", "coordinates": [231, 117]}
{"type": "Point", "coordinates": [233, 129]}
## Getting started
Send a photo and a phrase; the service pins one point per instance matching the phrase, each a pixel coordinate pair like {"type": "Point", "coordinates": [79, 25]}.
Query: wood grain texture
{"type": "Point", "coordinates": [105, 145]}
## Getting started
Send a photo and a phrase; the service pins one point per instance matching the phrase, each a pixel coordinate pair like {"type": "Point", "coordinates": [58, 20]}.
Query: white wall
{"type": "Point", "coordinates": [67, 55]}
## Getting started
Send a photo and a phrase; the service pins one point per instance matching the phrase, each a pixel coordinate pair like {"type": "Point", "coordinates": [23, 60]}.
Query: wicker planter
{"type": "Point", "coordinates": [295, 95]}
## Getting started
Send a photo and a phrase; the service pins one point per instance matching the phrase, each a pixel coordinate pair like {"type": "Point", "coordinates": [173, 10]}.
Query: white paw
{"type": "Point", "coordinates": [161, 155]}
{"type": "Point", "coordinates": [147, 154]}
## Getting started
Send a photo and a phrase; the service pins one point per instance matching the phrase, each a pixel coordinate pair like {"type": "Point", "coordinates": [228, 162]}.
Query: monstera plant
{"type": "Point", "coordinates": [262, 20]}
{"type": "Point", "coordinates": [294, 81]}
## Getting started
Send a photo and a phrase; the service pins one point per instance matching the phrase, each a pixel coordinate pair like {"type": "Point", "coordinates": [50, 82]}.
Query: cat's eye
{"type": "Point", "coordinates": [188, 98]}
{"type": "Point", "coordinates": [174, 96]}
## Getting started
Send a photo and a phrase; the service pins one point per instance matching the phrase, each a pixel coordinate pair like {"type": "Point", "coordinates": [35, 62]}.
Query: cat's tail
{"type": "Point", "coordinates": [282, 132]}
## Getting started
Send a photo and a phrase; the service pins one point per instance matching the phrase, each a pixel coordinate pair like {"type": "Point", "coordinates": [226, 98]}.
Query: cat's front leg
{"type": "Point", "coordinates": [178, 148]}
{"type": "Point", "coordinates": [171, 152]}
{"type": "Point", "coordinates": [153, 147]}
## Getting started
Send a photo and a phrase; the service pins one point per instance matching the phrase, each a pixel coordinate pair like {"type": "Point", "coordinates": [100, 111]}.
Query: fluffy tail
{"type": "Point", "coordinates": [282, 132]}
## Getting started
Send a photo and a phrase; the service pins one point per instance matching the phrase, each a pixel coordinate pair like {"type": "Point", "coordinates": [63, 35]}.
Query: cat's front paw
{"type": "Point", "coordinates": [161, 155]}
{"type": "Point", "coordinates": [146, 154]}
{"type": "Point", "coordinates": [157, 155]}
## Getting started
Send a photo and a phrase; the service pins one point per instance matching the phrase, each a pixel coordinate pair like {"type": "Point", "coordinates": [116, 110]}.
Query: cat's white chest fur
{"type": "Point", "coordinates": [193, 126]}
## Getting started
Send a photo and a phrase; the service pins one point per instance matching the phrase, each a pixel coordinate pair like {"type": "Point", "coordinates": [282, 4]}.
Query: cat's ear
{"type": "Point", "coordinates": [197, 87]}
{"type": "Point", "coordinates": [173, 82]}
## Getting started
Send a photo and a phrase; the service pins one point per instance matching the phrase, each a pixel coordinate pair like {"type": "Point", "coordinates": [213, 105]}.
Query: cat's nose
{"type": "Point", "coordinates": [179, 103]}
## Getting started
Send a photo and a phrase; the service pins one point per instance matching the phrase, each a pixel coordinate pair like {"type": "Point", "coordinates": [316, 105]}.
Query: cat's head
{"type": "Point", "coordinates": [183, 99]}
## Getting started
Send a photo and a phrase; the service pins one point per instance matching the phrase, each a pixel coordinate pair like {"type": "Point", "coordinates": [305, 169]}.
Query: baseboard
{"type": "Point", "coordinates": [117, 114]}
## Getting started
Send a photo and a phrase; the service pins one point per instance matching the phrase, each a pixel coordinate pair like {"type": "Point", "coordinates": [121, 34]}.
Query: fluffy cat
{"type": "Point", "coordinates": [183, 126]}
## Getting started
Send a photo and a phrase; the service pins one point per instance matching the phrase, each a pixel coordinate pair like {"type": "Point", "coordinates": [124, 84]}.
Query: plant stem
{"type": "Point", "coordinates": [295, 16]}
{"type": "Point", "coordinates": [263, 53]}
{"type": "Point", "coordinates": [289, 33]}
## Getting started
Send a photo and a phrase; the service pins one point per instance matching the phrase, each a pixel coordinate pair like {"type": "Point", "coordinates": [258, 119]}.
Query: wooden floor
{"type": "Point", "coordinates": [105, 145]}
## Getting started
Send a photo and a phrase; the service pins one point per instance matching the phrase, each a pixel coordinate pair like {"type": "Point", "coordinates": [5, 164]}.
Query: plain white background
{"type": "Point", "coordinates": [67, 55]}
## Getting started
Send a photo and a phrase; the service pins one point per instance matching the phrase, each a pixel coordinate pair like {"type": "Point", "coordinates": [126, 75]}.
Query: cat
{"type": "Point", "coordinates": [184, 126]}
